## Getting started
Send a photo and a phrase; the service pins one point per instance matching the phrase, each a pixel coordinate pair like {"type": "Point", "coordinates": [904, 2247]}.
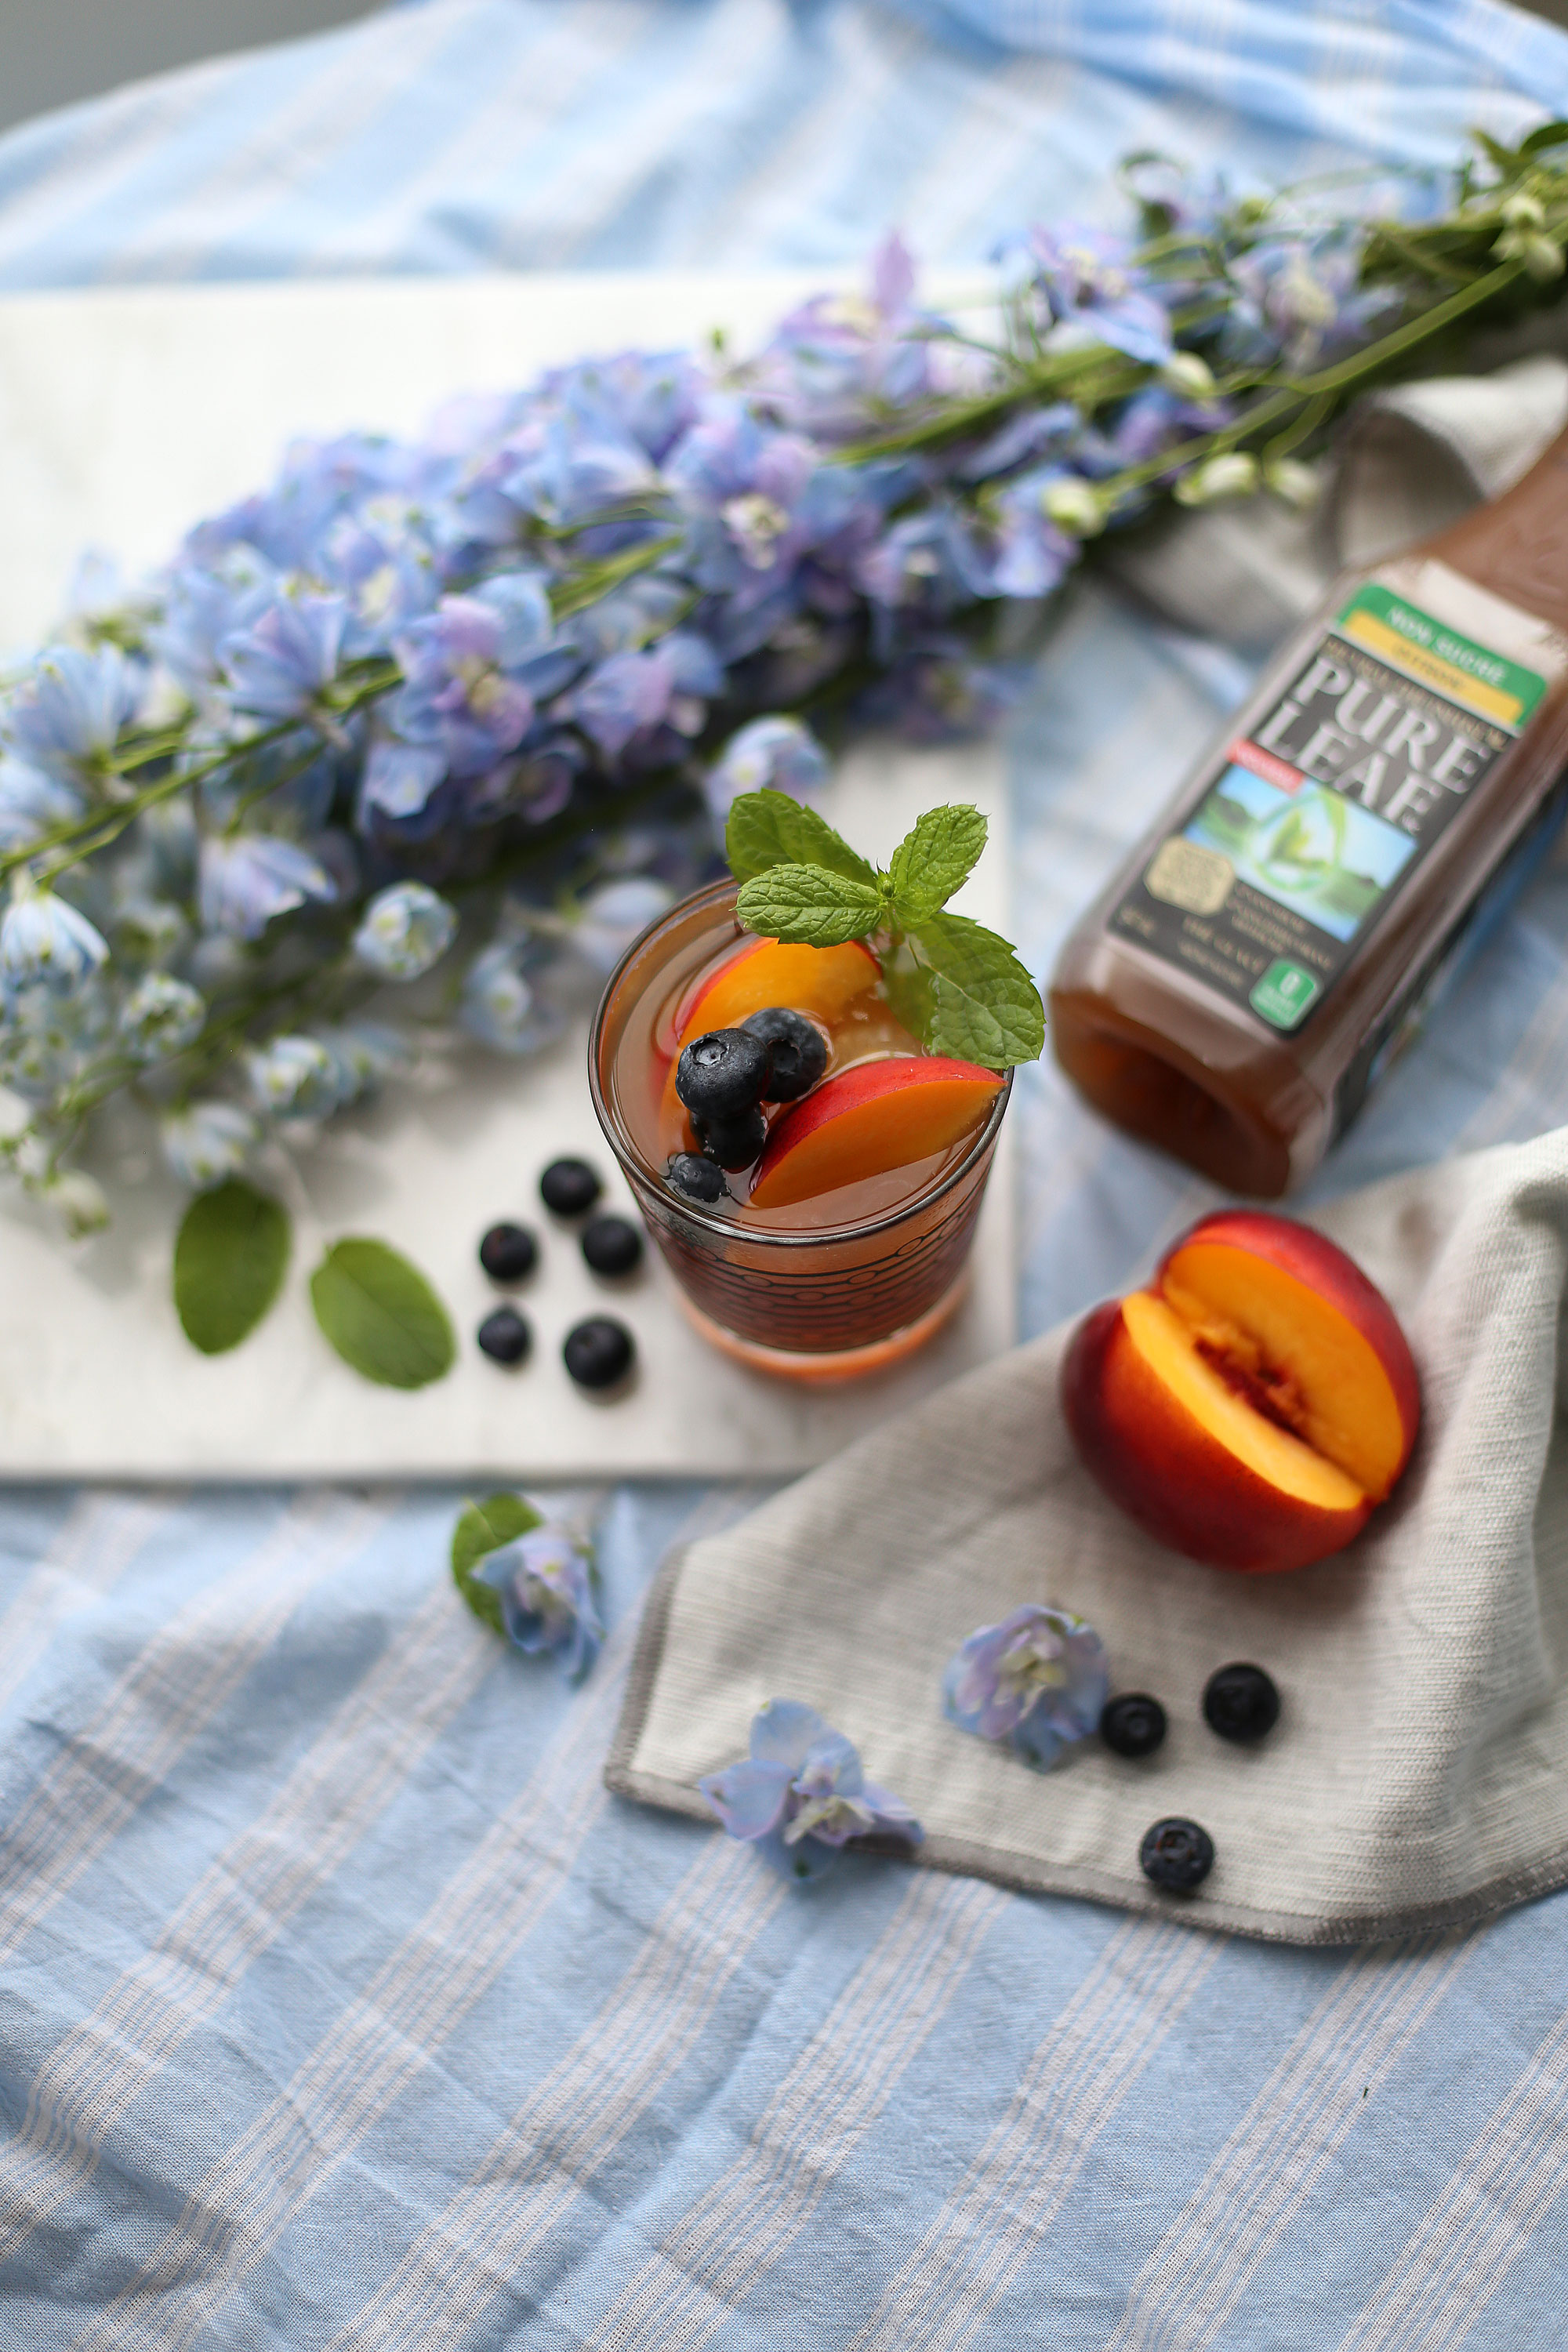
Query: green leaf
{"type": "Point", "coordinates": [482, 1528]}
{"type": "Point", "coordinates": [930, 864]}
{"type": "Point", "coordinates": [229, 1258]}
{"type": "Point", "coordinates": [984, 1006]}
{"type": "Point", "coordinates": [910, 989]}
{"type": "Point", "coordinates": [768, 829]}
{"type": "Point", "coordinates": [810, 906]}
{"type": "Point", "coordinates": [1545, 134]}
{"type": "Point", "coordinates": [381, 1315]}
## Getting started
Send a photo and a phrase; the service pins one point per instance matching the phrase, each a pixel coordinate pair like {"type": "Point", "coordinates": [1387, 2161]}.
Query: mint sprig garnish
{"type": "Point", "coordinates": [957, 986]}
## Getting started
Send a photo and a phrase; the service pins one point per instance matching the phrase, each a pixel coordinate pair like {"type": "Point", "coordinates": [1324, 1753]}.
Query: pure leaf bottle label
{"type": "Point", "coordinates": [1312, 819]}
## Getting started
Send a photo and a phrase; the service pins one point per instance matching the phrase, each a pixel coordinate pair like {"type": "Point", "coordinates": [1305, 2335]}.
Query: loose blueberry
{"type": "Point", "coordinates": [1240, 1702]}
{"type": "Point", "coordinates": [611, 1244]}
{"type": "Point", "coordinates": [733, 1142]}
{"type": "Point", "coordinates": [1133, 1724]}
{"type": "Point", "coordinates": [1177, 1855]}
{"type": "Point", "coordinates": [505, 1335]}
{"type": "Point", "coordinates": [723, 1074]}
{"type": "Point", "coordinates": [597, 1353]}
{"type": "Point", "coordinates": [507, 1252]}
{"type": "Point", "coordinates": [695, 1179]}
{"type": "Point", "coordinates": [798, 1048]}
{"type": "Point", "coordinates": [569, 1188]}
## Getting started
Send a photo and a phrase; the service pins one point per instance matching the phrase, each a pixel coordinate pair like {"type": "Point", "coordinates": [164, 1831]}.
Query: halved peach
{"type": "Point", "coordinates": [874, 1117]}
{"type": "Point", "coordinates": [822, 981]}
{"type": "Point", "coordinates": [1253, 1404]}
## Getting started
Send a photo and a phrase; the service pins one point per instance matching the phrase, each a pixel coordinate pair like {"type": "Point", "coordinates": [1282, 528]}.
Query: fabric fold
{"type": "Point", "coordinates": [1418, 1776]}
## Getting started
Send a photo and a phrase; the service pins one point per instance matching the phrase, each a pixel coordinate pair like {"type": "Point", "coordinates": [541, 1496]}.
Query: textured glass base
{"type": "Point", "coordinates": [840, 1364]}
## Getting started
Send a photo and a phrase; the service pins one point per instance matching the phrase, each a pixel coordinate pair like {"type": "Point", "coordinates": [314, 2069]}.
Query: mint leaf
{"type": "Point", "coordinates": [768, 829]}
{"type": "Point", "coordinates": [229, 1258]}
{"type": "Point", "coordinates": [809, 905]}
{"type": "Point", "coordinates": [931, 863]}
{"type": "Point", "coordinates": [984, 1006]}
{"type": "Point", "coordinates": [485, 1528]}
{"type": "Point", "coordinates": [910, 988]}
{"type": "Point", "coordinates": [381, 1315]}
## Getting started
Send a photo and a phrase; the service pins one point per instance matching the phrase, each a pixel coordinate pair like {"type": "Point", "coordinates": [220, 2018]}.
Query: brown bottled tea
{"type": "Point", "coordinates": [1326, 868]}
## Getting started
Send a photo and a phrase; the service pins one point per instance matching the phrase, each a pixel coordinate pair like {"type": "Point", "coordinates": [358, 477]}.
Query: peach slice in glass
{"type": "Point", "coordinates": [876, 1117]}
{"type": "Point", "coordinates": [821, 982]}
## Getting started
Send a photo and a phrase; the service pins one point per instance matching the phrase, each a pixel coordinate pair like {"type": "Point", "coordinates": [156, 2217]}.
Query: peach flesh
{"type": "Point", "coordinates": [1253, 1405]}
{"type": "Point", "coordinates": [821, 982]}
{"type": "Point", "coordinates": [868, 1119]}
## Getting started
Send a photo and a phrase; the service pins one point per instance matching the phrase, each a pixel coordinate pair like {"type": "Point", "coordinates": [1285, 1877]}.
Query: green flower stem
{"type": "Point", "coordinates": [596, 579]}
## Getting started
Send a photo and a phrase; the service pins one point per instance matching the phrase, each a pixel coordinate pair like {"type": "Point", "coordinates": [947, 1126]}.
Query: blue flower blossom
{"type": "Point", "coordinates": [281, 664]}
{"type": "Point", "coordinates": [32, 804]}
{"type": "Point", "coordinates": [1089, 279]}
{"type": "Point", "coordinates": [545, 1584]}
{"type": "Point", "coordinates": [44, 941]}
{"type": "Point", "coordinates": [294, 1077]}
{"type": "Point", "coordinates": [404, 930]}
{"type": "Point", "coordinates": [779, 755]}
{"type": "Point", "coordinates": [1039, 1680]}
{"type": "Point", "coordinates": [458, 700]}
{"type": "Point", "coordinates": [1300, 301]}
{"type": "Point", "coordinates": [67, 715]}
{"type": "Point", "coordinates": [801, 1793]}
{"type": "Point", "coordinates": [364, 1055]}
{"type": "Point", "coordinates": [207, 1142]}
{"type": "Point", "coordinates": [611, 915]}
{"type": "Point", "coordinates": [501, 1009]}
{"type": "Point", "coordinates": [632, 694]}
{"type": "Point", "coordinates": [249, 878]}
{"type": "Point", "coordinates": [161, 1017]}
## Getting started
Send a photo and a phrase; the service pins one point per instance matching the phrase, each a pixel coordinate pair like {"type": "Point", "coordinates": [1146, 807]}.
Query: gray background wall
{"type": "Point", "coordinates": [52, 51]}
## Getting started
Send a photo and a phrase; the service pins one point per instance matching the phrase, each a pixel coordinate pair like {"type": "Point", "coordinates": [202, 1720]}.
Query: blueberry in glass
{"type": "Point", "coordinates": [797, 1050]}
{"type": "Point", "coordinates": [722, 1074]}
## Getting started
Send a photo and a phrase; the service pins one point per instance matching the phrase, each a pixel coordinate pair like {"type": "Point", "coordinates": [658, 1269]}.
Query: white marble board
{"type": "Point", "coordinates": [124, 416]}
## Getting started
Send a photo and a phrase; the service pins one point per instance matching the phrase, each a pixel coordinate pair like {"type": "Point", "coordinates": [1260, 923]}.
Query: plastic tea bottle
{"type": "Point", "coordinates": [1292, 919]}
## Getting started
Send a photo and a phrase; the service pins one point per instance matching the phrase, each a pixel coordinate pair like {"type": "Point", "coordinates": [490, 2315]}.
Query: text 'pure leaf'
{"type": "Point", "coordinates": [381, 1315]}
{"type": "Point", "coordinates": [485, 1528]}
{"type": "Point", "coordinates": [230, 1260]}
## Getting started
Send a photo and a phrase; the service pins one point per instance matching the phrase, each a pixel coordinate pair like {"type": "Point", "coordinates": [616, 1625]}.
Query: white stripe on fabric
{"type": "Point", "coordinates": [1017, 2183]}
{"type": "Point", "coordinates": [833, 2093]}
{"type": "Point", "coordinates": [241, 1904]}
{"type": "Point", "coordinates": [173, 1686]}
{"type": "Point", "coordinates": [570, 2126]}
{"type": "Point", "coordinates": [470, 171]}
{"type": "Point", "coordinates": [107, 169]}
{"type": "Point", "coordinates": [319, 122]}
{"type": "Point", "coordinates": [1504, 2185]}
{"type": "Point", "coordinates": [102, 1535]}
{"type": "Point", "coordinates": [641, 125]}
{"type": "Point", "coordinates": [868, 54]}
{"type": "Point", "coordinates": [1365, 2022]}
{"type": "Point", "coordinates": [381, 2042]}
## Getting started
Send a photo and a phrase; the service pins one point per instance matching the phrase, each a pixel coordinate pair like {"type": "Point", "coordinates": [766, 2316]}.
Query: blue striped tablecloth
{"type": "Point", "coordinates": [339, 2005]}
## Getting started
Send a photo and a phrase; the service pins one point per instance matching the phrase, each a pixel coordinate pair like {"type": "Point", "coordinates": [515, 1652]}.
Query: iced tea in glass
{"type": "Point", "coordinates": [788, 1269]}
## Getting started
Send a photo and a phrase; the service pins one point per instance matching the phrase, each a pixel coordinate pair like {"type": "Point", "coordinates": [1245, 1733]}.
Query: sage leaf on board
{"type": "Point", "coordinates": [933, 860]}
{"type": "Point", "coordinates": [984, 1006]}
{"type": "Point", "coordinates": [230, 1256]}
{"type": "Point", "coordinates": [381, 1315]}
{"type": "Point", "coordinates": [767, 828]}
{"type": "Point", "coordinates": [485, 1528]}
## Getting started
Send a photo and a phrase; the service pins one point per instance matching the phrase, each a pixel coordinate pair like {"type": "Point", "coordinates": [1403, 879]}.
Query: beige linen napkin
{"type": "Point", "coordinates": [1418, 1774]}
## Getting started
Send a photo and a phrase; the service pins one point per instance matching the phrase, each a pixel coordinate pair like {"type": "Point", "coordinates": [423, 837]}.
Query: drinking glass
{"type": "Point", "coordinates": [812, 1302]}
